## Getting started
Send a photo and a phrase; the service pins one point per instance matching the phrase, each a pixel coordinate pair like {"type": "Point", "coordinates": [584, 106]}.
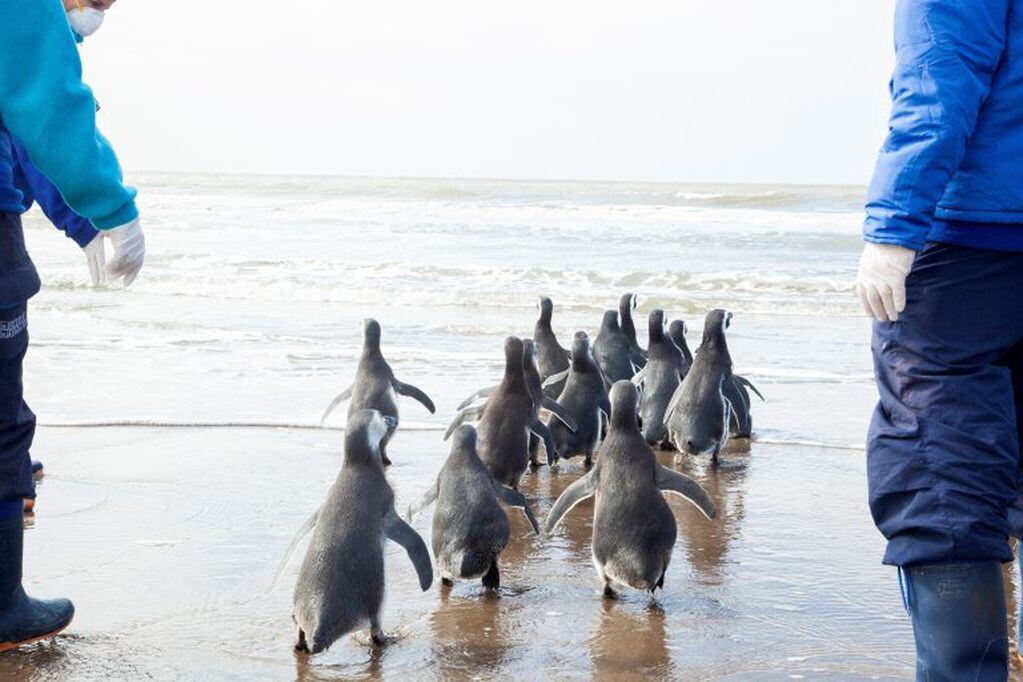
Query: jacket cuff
{"type": "Point", "coordinates": [81, 232]}
{"type": "Point", "coordinates": [880, 232]}
{"type": "Point", "coordinates": [122, 216]}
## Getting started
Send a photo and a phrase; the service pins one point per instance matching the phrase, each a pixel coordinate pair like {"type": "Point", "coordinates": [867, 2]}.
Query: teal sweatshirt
{"type": "Point", "coordinates": [46, 107]}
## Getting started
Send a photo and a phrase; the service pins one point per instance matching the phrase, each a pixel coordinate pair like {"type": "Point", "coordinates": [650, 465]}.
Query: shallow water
{"type": "Point", "coordinates": [180, 460]}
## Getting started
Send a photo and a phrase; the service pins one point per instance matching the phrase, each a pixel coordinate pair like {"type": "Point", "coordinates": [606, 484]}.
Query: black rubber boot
{"type": "Point", "coordinates": [24, 620]}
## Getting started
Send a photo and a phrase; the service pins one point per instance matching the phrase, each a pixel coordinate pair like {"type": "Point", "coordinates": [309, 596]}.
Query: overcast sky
{"type": "Point", "coordinates": [680, 90]}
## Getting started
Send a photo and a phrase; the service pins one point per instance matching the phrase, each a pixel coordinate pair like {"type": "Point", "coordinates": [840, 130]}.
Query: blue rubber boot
{"type": "Point", "coordinates": [959, 621]}
{"type": "Point", "coordinates": [23, 620]}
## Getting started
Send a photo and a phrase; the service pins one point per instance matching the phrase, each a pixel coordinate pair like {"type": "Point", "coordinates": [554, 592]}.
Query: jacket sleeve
{"type": "Point", "coordinates": [34, 186]}
{"type": "Point", "coordinates": [47, 108]}
{"type": "Point", "coordinates": [946, 54]}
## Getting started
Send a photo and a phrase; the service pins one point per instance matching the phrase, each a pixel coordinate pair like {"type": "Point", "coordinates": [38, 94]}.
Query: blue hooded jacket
{"type": "Point", "coordinates": [951, 169]}
{"type": "Point", "coordinates": [47, 108]}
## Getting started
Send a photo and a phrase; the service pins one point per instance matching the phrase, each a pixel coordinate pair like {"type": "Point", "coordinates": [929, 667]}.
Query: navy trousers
{"type": "Point", "coordinates": [943, 449]}
{"type": "Point", "coordinates": [18, 282]}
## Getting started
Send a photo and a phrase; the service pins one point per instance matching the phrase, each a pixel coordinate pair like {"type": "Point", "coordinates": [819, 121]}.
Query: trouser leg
{"type": "Point", "coordinates": [17, 423]}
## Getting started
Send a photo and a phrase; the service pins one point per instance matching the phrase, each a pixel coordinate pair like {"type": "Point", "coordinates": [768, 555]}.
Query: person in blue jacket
{"type": "Point", "coordinates": [46, 107]}
{"type": "Point", "coordinates": [942, 273]}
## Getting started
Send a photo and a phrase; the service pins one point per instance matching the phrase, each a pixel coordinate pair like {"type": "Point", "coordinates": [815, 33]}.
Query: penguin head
{"type": "Point", "coordinates": [715, 324]}
{"type": "Point", "coordinates": [656, 325]}
{"type": "Point", "coordinates": [463, 440]}
{"type": "Point", "coordinates": [611, 320]}
{"type": "Point", "coordinates": [625, 405]}
{"type": "Point", "coordinates": [546, 308]}
{"type": "Point", "coordinates": [530, 354]}
{"type": "Point", "coordinates": [371, 334]}
{"type": "Point", "coordinates": [365, 431]}
{"type": "Point", "coordinates": [513, 360]}
{"type": "Point", "coordinates": [582, 352]}
{"type": "Point", "coordinates": [627, 304]}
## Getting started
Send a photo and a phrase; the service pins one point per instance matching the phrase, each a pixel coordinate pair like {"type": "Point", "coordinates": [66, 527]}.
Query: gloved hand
{"type": "Point", "coordinates": [96, 257]}
{"type": "Point", "coordinates": [129, 251]}
{"type": "Point", "coordinates": [881, 280]}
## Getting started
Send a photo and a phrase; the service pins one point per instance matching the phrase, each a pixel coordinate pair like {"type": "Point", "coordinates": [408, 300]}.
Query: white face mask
{"type": "Point", "coordinates": [85, 21]}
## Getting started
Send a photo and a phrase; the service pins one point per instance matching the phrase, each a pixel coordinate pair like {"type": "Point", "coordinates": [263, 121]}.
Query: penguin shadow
{"type": "Point", "coordinates": [708, 541]}
{"type": "Point", "coordinates": [471, 636]}
{"type": "Point", "coordinates": [630, 641]}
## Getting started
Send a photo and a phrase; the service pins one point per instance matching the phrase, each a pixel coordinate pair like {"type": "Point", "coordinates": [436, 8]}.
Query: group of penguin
{"type": "Point", "coordinates": [608, 402]}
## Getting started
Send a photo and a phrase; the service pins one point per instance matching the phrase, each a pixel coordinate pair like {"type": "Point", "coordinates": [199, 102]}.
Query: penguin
{"type": "Point", "coordinates": [626, 306]}
{"type": "Point", "coordinates": [551, 357]}
{"type": "Point", "coordinates": [677, 331]}
{"type": "Point", "coordinates": [508, 417]}
{"type": "Point", "coordinates": [585, 399]}
{"type": "Point", "coordinates": [633, 527]}
{"type": "Point", "coordinates": [662, 374]}
{"type": "Point", "coordinates": [341, 582]}
{"type": "Point", "coordinates": [615, 356]}
{"type": "Point", "coordinates": [470, 530]}
{"type": "Point", "coordinates": [741, 423]}
{"type": "Point", "coordinates": [376, 387]}
{"type": "Point", "coordinates": [541, 400]}
{"type": "Point", "coordinates": [697, 418]}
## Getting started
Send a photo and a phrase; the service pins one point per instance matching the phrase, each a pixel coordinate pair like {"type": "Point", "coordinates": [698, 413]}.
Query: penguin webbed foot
{"type": "Point", "coordinates": [447, 582]}
{"type": "Point", "coordinates": [609, 592]}
{"type": "Point", "coordinates": [492, 578]}
{"type": "Point", "coordinates": [301, 645]}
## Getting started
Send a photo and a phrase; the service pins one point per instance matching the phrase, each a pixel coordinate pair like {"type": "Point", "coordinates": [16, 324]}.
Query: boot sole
{"type": "Point", "coordinates": [7, 646]}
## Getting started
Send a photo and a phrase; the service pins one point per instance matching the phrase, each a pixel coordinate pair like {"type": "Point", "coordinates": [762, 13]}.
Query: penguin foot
{"type": "Point", "coordinates": [492, 578]}
{"type": "Point", "coordinates": [301, 645]}
{"type": "Point", "coordinates": [447, 582]}
{"type": "Point", "coordinates": [380, 640]}
{"type": "Point", "coordinates": [609, 593]}
{"type": "Point", "coordinates": [588, 462]}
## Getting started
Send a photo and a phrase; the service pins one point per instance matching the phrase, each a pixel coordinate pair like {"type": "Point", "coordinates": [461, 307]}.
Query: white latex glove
{"type": "Point", "coordinates": [96, 257]}
{"type": "Point", "coordinates": [129, 251]}
{"type": "Point", "coordinates": [881, 280]}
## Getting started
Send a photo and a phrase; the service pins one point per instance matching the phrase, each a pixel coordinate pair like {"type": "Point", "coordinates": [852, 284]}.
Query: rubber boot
{"type": "Point", "coordinates": [23, 620]}
{"type": "Point", "coordinates": [37, 469]}
{"type": "Point", "coordinates": [959, 621]}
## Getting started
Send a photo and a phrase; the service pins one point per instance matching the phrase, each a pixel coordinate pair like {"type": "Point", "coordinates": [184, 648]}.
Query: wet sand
{"type": "Point", "coordinates": [168, 540]}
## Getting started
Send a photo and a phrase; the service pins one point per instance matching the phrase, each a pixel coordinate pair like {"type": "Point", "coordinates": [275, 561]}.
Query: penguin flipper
{"type": "Point", "coordinates": [398, 531]}
{"type": "Point", "coordinates": [746, 382]}
{"type": "Point", "coordinates": [425, 501]}
{"type": "Point", "coordinates": [581, 489]}
{"type": "Point", "coordinates": [516, 499]}
{"type": "Point", "coordinates": [341, 397]}
{"type": "Point", "coordinates": [639, 376]}
{"type": "Point", "coordinates": [303, 530]}
{"type": "Point", "coordinates": [556, 378]}
{"type": "Point", "coordinates": [544, 433]}
{"type": "Point", "coordinates": [468, 414]}
{"type": "Point", "coordinates": [410, 391]}
{"type": "Point", "coordinates": [676, 397]}
{"type": "Point", "coordinates": [671, 481]}
{"type": "Point", "coordinates": [482, 393]}
{"type": "Point", "coordinates": [558, 411]}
